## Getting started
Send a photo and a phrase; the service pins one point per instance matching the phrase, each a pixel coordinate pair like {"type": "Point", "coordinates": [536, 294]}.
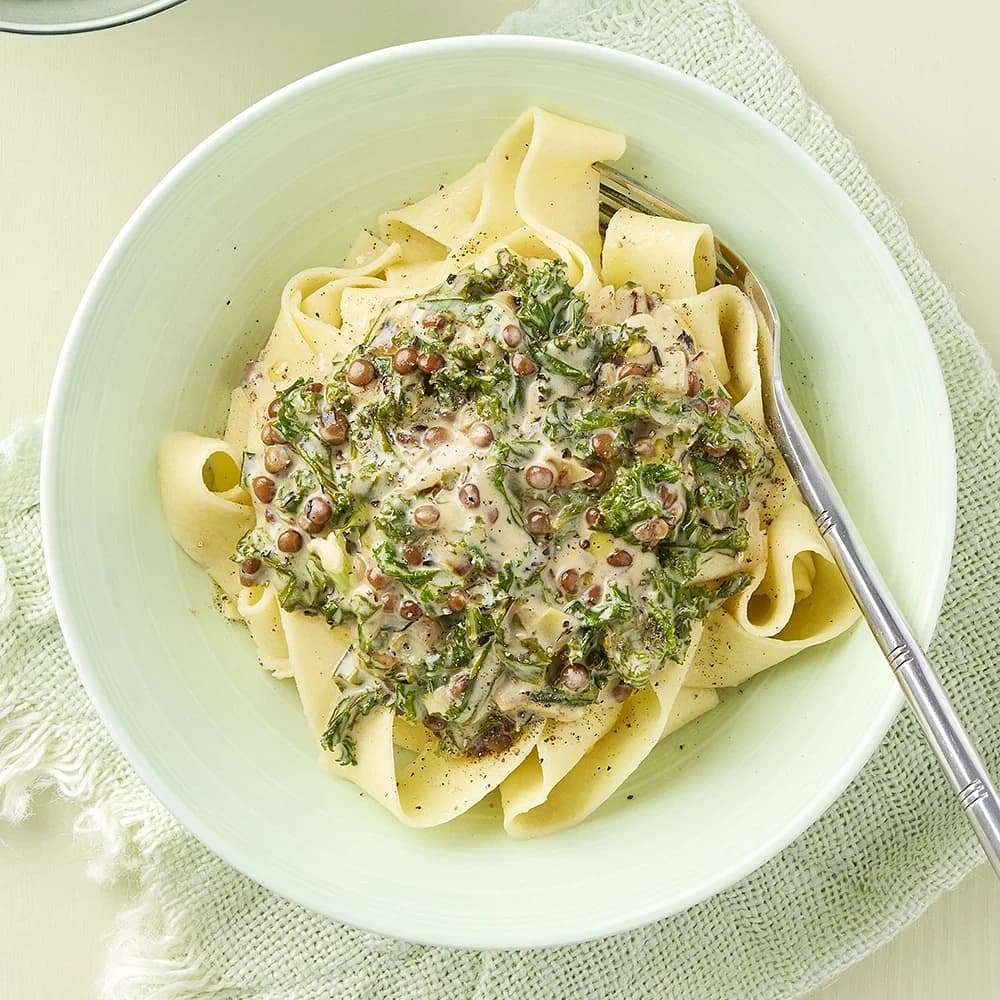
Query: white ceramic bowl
{"type": "Point", "coordinates": [188, 292]}
{"type": "Point", "coordinates": [64, 17]}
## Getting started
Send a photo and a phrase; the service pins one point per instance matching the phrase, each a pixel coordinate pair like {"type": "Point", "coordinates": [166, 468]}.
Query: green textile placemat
{"type": "Point", "coordinates": [888, 847]}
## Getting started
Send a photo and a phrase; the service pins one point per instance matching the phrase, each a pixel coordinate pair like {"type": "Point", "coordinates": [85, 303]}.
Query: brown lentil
{"type": "Point", "coordinates": [621, 691]}
{"type": "Point", "coordinates": [574, 676]}
{"type": "Point", "coordinates": [694, 382]}
{"type": "Point", "coordinates": [498, 741]}
{"type": "Point", "coordinates": [360, 372]}
{"type": "Point", "coordinates": [269, 434]}
{"type": "Point", "coordinates": [460, 565]}
{"type": "Point", "coordinates": [523, 365]}
{"type": "Point", "coordinates": [430, 363]}
{"type": "Point", "coordinates": [539, 477]}
{"type": "Point", "coordinates": [480, 434]}
{"type": "Point", "coordinates": [376, 578]}
{"type": "Point", "coordinates": [413, 555]}
{"type": "Point", "coordinates": [384, 659]}
{"type": "Point", "coordinates": [538, 522]}
{"type": "Point", "coordinates": [436, 435]}
{"type": "Point", "coordinates": [468, 496]}
{"type": "Point", "coordinates": [569, 581]}
{"type": "Point", "coordinates": [433, 321]}
{"type": "Point", "coordinates": [459, 684]}
{"type": "Point", "coordinates": [619, 559]}
{"type": "Point", "coordinates": [667, 495]}
{"type": "Point", "coordinates": [277, 458]}
{"type": "Point", "coordinates": [714, 451]}
{"type": "Point", "coordinates": [264, 488]}
{"type": "Point", "coordinates": [512, 335]}
{"type": "Point", "coordinates": [274, 407]}
{"type": "Point", "coordinates": [458, 600]}
{"type": "Point", "coordinates": [318, 511]}
{"type": "Point", "coordinates": [491, 514]}
{"type": "Point", "coordinates": [652, 531]}
{"type": "Point", "coordinates": [593, 594]}
{"type": "Point", "coordinates": [602, 443]}
{"type": "Point", "coordinates": [333, 427]}
{"type": "Point", "coordinates": [719, 406]}
{"type": "Point", "coordinates": [405, 360]}
{"type": "Point", "coordinates": [592, 516]}
{"type": "Point", "coordinates": [435, 723]}
{"type": "Point", "coordinates": [289, 540]}
{"type": "Point", "coordinates": [675, 513]}
{"type": "Point", "coordinates": [631, 370]}
{"type": "Point", "coordinates": [410, 611]}
{"type": "Point", "coordinates": [597, 477]}
{"type": "Point", "coordinates": [389, 603]}
{"type": "Point", "coordinates": [249, 569]}
{"type": "Point", "coordinates": [426, 515]}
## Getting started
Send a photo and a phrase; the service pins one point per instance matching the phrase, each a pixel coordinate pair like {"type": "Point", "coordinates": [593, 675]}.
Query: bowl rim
{"type": "Point", "coordinates": [476, 937]}
{"type": "Point", "coordinates": [138, 13]}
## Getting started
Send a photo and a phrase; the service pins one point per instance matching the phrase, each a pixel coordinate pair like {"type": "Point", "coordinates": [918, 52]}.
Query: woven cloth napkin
{"type": "Point", "coordinates": [869, 866]}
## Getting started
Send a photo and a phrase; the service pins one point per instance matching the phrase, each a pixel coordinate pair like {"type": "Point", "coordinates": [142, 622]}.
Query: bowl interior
{"type": "Point", "coordinates": [187, 295]}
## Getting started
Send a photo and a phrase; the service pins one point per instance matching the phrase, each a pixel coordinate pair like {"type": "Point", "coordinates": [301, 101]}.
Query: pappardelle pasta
{"type": "Point", "coordinates": [499, 496]}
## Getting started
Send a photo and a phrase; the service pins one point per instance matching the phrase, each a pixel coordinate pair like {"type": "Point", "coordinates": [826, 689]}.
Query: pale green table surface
{"type": "Point", "coordinates": [89, 123]}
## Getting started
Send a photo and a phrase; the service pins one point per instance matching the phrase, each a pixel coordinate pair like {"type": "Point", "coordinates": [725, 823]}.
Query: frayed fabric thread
{"type": "Point", "coordinates": [878, 857]}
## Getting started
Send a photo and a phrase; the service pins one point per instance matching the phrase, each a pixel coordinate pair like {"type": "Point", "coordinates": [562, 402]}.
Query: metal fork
{"type": "Point", "coordinates": [959, 759]}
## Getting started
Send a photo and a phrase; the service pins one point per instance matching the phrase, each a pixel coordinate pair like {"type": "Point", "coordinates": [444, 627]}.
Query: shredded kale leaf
{"type": "Point", "coordinates": [338, 736]}
{"type": "Point", "coordinates": [560, 696]}
{"type": "Point", "coordinates": [389, 562]}
{"type": "Point", "coordinates": [632, 496]}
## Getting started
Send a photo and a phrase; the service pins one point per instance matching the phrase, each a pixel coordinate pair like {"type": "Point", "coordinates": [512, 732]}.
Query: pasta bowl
{"type": "Point", "coordinates": [62, 17]}
{"type": "Point", "coordinates": [187, 294]}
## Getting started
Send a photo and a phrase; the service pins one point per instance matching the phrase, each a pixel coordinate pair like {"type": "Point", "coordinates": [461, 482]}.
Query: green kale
{"type": "Point", "coordinates": [631, 400]}
{"type": "Point", "coordinates": [347, 712]}
{"type": "Point", "coordinates": [528, 662]}
{"type": "Point", "coordinates": [632, 496]}
{"type": "Point", "coordinates": [550, 310]}
{"type": "Point", "coordinates": [292, 493]}
{"type": "Point", "coordinates": [631, 654]}
{"type": "Point", "coordinates": [395, 519]}
{"type": "Point", "coordinates": [674, 606]}
{"type": "Point", "coordinates": [406, 699]}
{"type": "Point", "coordinates": [508, 273]}
{"type": "Point", "coordinates": [595, 622]}
{"type": "Point", "coordinates": [455, 652]}
{"type": "Point", "coordinates": [296, 422]}
{"type": "Point", "coordinates": [469, 374]}
{"type": "Point", "coordinates": [390, 563]}
{"type": "Point", "coordinates": [560, 696]}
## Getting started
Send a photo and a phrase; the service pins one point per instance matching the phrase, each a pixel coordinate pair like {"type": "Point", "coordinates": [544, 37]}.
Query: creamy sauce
{"type": "Point", "coordinates": [522, 502]}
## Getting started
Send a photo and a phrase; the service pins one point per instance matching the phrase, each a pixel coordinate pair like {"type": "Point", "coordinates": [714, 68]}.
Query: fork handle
{"type": "Point", "coordinates": [977, 794]}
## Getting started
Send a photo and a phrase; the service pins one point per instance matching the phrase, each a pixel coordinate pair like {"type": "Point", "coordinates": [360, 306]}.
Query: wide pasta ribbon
{"type": "Point", "coordinates": [536, 195]}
